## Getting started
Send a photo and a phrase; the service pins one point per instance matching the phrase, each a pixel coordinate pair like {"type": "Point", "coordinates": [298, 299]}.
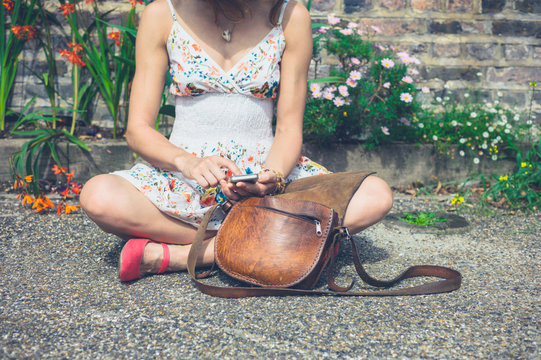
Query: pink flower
{"type": "Point", "coordinates": [360, 32]}
{"type": "Point", "coordinates": [355, 75]}
{"type": "Point", "coordinates": [376, 29]}
{"type": "Point", "coordinates": [406, 97]}
{"type": "Point", "coordinates": [346, 31]}
{"type": "Point", "coordinates": [355, 61]}
{"type": "Point", "coordinates": [385, 130]}
{"type": "Point", "coordinates": [343, 90]}
{"type": "Point", "coordinates": [328, 94]}
{"type": "Point", "coordinates": [413, 72]}
{"type": "Point", "coordinates": [387, 85]}
{"type": "Point", "coordinates": [339, 101]}
{"type": "Point", "coordinates": [323, 29]}
{"type": "Point", "coordinates": [315, 87]}
{"type": "Point", "coordinates": [407, 79]}
{"type": "Point", "coordinates": [316, 94]}
{"type": "Point", "coordinates": [351, 83]}
{"type": "Point", "coordinates": [425, 89]}
{"type": "Point", "coordinates": [405, 121]}
{"type": "Point", "coordinates": [387, 63]}
{"type": "Point", "coordinates": [352, 25]}
{"type": "Point", "coordinates": [333, 20]}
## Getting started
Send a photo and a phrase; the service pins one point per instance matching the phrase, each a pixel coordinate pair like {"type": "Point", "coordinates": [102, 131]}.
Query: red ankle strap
{"type": "Point", "coordinates": [165, 261]}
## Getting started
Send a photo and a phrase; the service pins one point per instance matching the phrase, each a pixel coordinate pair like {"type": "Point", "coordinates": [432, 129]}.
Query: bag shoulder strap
{"type": "Point", "coordinates": [452, 278]}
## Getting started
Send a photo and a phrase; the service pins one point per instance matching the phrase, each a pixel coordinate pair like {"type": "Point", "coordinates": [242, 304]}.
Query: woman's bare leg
{"type": "Point", "coordinates": [370, 203]}
{"type": "Point", "coordinates": [117, 207]}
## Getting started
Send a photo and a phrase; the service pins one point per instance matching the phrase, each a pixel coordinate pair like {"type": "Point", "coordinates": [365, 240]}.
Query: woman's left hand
{"type": "Point", "coordinates": [265, 185]}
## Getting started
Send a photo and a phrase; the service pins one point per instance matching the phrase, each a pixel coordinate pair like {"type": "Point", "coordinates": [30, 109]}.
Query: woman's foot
{"type": "Point", "coordinates": [140, 257]}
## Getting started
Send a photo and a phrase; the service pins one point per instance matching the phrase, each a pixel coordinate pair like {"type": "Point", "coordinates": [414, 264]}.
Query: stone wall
{"type": "Point", "coordinates": [490, 45]}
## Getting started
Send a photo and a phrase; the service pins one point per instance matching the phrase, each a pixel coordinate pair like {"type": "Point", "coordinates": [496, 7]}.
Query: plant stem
{"type": "Point", "coordinates": [75, 97]}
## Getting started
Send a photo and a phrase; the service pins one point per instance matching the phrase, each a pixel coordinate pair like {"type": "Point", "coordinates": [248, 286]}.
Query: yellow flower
{"type": "Point", "coordinates": [503, 178]}
{"type": "Point", "coordinates": [523, 164]}
{"type": "Point", "coordinates": [345, 113]}
{"type": "Point", "coordinates": [457, 200]}
{"type": "Point", "coordinates": [533, 84]}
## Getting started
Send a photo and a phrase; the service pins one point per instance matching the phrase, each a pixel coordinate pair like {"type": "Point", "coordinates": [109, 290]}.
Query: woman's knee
{"type": "Point", "coordinates": [97, 194]}
{"type": "Point", "coordinates": [380, 192]}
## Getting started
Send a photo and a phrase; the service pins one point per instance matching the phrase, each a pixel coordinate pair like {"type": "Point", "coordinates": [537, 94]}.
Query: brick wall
{"type": "Point", "coordinates": [491, 45]}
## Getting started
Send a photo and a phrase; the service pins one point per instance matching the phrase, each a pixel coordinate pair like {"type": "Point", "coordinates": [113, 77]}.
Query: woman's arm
{"type": "Point", "coordinates": [286, 148]}
{"type": "Point", "coordinates": [151, 66]}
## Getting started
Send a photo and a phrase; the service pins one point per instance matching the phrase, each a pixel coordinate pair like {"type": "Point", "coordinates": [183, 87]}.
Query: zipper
{"type": "Point", "coordinates": [311, 219]}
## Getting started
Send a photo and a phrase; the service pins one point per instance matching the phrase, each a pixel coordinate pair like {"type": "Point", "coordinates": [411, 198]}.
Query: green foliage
{"type": "Point", "coordinates": [23, 15]}
{"type": "Point", "coordinates": [521, 189]}
{"type": "Point", "coordinates": [369, 95]}
{"type": "Point", "coordinates": [472, 126]}
{"type": "Point", "coordinates": [426, 218]}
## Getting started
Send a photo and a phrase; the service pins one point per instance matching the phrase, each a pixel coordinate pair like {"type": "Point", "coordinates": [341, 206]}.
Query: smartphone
{"type": "Point", "coordinates": [246, 177]}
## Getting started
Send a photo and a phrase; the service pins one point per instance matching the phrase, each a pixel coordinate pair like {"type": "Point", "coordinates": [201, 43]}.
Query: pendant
{"type": "Point", "coordinates": [227, 35]}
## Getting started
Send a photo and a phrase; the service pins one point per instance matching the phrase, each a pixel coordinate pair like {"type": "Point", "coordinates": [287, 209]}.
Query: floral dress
{"type": "Point", "coordinates": [218, 112]}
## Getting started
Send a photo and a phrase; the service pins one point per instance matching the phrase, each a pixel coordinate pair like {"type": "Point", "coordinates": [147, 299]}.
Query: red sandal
{"type": "Point", "coordinates": [131, 255]}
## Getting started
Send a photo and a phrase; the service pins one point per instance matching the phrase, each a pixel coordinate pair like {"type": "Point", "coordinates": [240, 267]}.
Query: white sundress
{"type": "Point", "coordinates": [226, 113]}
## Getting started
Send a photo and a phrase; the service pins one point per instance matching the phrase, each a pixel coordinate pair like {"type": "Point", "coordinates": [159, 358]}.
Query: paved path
{"type": "Point", "coordinates": [60, 298]}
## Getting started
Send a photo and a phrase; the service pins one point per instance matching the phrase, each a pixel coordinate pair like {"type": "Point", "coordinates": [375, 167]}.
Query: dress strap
{"type": "Point", "coordinates": [172, 10]}
{"type": "Point", "coordinates": [284, 5]}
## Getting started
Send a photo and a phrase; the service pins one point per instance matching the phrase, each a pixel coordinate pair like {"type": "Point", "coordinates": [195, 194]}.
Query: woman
{"type": "Point", "coordinates": [229, 61]}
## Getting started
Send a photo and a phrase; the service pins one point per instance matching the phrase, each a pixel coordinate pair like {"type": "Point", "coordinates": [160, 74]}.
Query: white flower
{"type": "Point", "coordinates": [446, 98]}
{"type": "Point", "coordinates": [407, 79]}
{"type": "Point", "coordinates": [461, 153]}
{"type": "Point", "coordinates": [507, 131]}
{"type": "Point", "coordinates": [473, 115]}
{"type": "Point", "coordinates": [438, 99]}
{"type": "Point", "coordinates": [462, 140]}
{"type": "Point", "coordinates": [490, 128]}
{"type": "Point", "coordinates": [468, 123]}
{"type": "Point", "coordinates": [406, 97]}
{"type": "Point", "coordinates": [421, 125]}
{"type": "Point", "coordinates": [494, 157]}
{"type": "Point", "coordinates": [338, 101]}
{"type": "Point", "coordinates": [454, 123]}
{"type": "Point", "coordinates": [425, 89]}
{"type": "Point", "coordinates": [529, 122]}
{"type": "Point", "coordinates": [479, 74]}
{"type": "Point", "coordinates": [489, 105]}
{"type": "Point", "coordinates": [504, 118]}
{"type": "Point", "coordinates": [484, 146]}
{"type": "Point", "coordinates": [476, 160]}
{"type": "Point", "coordinates": [466, 95]}
{"type": "Point", "coordinates": [435, 138]}
{"type": "Point", "coordinates": [387, 63]}
{"type": "Point", "coordinates": [355, 75]}
{"type": "Point", "coordinates": [516, 117]}
{"type": "Point", "coordinates": [485, 134]}
{"type": "Point", "coordinates": [387, 85]}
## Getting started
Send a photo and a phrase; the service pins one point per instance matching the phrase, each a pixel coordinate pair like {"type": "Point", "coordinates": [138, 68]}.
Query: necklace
{"type": "Point", "coordinates": [226, 34]}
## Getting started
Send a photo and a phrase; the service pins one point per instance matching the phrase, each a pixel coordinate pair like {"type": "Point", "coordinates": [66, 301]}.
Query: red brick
{"type": "Point", "coordinates": [460, 5]}
{"type": "Point", "coordinates": [519, 75]}
{"type": "Point", "coordinates": [393, 4]}
{"type": "Point", "coordinates": [446, 50]}
{"type": "Point", "coordinates": [425, 5]}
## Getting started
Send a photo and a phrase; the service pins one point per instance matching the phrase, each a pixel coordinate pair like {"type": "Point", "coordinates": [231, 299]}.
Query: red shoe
{"type": "Point", "coordinates": [131, 255]}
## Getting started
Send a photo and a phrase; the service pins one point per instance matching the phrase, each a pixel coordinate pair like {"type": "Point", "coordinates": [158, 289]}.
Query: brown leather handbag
{"type": "Point", "coordinates": [283, 243]}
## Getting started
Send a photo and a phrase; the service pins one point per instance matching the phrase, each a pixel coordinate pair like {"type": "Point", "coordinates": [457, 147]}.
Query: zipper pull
{"type": "Point", "coordinates": [318, 228]}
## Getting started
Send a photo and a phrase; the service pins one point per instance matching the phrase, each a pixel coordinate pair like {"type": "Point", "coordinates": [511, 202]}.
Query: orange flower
{"type": "Point", "coordinates": [71, 208]}
{"type": "Point", "coordinates": [135, 2]}
{"type": "Point", "coordinates": [26, 32]}
{"type": "Point", "coordinates": [57, 170]}
{"type": "Point", "coordinates": [72, 57]}
{"type": "Point", "coordinates": [76, 189]}
{"type": "Point", "coordinates": [8, 4]}
{"type": "Point", "coordinates": [115, 36]}
{"type": "Point", "coordinates": [70, 175]}
{"type": "Point", "coordinates": [42, 203]}
{"type": "Point", "coordinates": [196, 47]}
{"type": "Point", "coordinates": [67, 9]}
{"type": "Point", "coordinates": [28, 178]}
{"type": "Point", "coordinates": [28, 199]}
{"type": "Point", "coordinates": [90, 1]}
{"type": "Point", "coordinates": [76, 48]}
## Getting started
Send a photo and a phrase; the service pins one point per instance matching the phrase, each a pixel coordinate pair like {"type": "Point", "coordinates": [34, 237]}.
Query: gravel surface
{"type": "Point", "coordinates": [61, 298]}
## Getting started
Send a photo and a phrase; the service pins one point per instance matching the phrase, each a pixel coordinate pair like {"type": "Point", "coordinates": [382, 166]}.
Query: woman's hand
{"type": "Point", "coordinates": [265, 185]}
{"type": "Point", "coordinates": [210, 170]}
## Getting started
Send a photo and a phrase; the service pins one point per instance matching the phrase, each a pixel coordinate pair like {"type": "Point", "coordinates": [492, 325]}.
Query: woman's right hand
{"type": "Point", "coordinates": [210, 170]}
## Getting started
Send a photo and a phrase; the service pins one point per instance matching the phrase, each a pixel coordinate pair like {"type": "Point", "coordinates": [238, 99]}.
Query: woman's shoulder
{"type": "Point", "coordinates": [157, 18]}
{"type": "Point", "coordinates": [296, 15]}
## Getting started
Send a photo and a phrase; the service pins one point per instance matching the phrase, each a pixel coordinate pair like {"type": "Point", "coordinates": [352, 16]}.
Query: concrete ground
{"type": "Point", "coordinates": [61, 298]}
